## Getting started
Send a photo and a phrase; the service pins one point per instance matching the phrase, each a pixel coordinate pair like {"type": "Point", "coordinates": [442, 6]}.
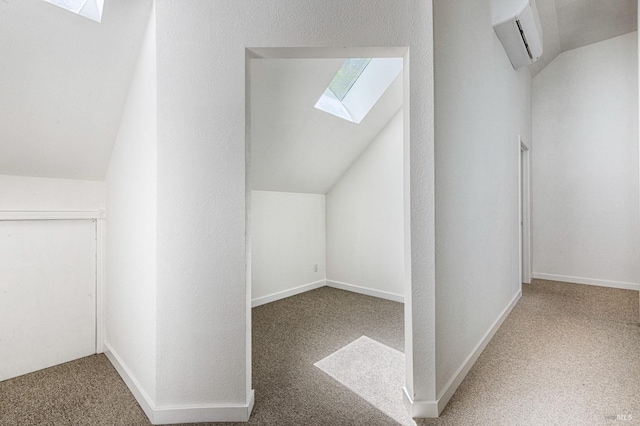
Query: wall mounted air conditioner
{"type": "Point", "coordinates": [517, 24]}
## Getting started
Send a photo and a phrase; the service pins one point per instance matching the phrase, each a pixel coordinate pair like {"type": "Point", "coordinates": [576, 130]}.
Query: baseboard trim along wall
{"type": "Point", "coordinates": [204, 413]}
{"type": "Point", "coordinates": [587, 281]}
{"type": "Point", "coordinates": [459, 375]}
{"type": "Point", "coordinates": [286, 293]}
{"type": "Point", "coordinates": [317, 284]}
{"type": "Point", "coordinates": [175, 415]}
{"type": "Point", "coordinates": [430, 409]}
{"type": "Point", "coordinates": [420, 409]}
{"type": "Point", "coordinates": [134, 386]}
{"type": "Point", "coordinates": [366, 291]}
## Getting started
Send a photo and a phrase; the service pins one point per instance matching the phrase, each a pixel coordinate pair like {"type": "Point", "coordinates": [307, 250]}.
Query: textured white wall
{"type": "Point", "coordinates": [48, 288]}
{"type": "Point", "coordinates": [287, 241]}
{"type": "Point", "coordinates": [131, 226]}
{"type": "Point", "coordinates": [43, 254]}
{"type": "Point", "coordinates": [585, 165]}
{"type": "Point", "coordinates": [365, 217]}
{"type": "Point", "coordinates": [46, 194]}
{"type": "Point", "coordinates": [203, 310]}
{"type": "Point", "coordinates": [482, 104]}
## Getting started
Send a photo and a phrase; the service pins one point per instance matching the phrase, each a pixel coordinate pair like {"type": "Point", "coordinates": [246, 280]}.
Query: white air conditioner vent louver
{"type": "Point", "coordinates": [517, 25]}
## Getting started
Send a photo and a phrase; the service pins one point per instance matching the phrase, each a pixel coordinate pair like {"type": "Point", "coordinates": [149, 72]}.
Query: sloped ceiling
{"type": "Point", "coordinates": [296, 147]}
{"type": "Point", "coordinates": [64, 80]}
{"type": "Point", "coordinates": [63, 84]}
{"type": "Point", "coordinates": [569, 24]}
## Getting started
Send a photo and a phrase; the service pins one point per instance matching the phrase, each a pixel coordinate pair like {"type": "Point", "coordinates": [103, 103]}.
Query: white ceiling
{"type": "Point", "coordinates": [64, 81]}
{"type": "Point", "coordinates": [569, 24]}
{"type": "Point", "coordinates": [295, 147]}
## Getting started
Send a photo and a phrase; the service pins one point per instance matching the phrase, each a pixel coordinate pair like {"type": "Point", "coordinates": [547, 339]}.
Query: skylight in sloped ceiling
{"type": "Point", "coordinates": [91, 9]}
{"type": "Point", "coordinates": [357, 86]}
{"type": "Point", "coordinates": [347, 76]}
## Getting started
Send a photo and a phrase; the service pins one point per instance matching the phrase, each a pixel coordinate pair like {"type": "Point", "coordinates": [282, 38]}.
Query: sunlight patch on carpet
{"type": "Point", "coordinates": [373, 371]}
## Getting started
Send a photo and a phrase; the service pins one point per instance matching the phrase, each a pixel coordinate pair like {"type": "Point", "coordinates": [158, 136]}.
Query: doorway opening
{"type": "Point", "coordinates": [327, 196]}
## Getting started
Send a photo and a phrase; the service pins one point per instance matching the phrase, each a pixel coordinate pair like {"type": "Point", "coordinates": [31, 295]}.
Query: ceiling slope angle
{"type": "Point", "coordinates": [296, 147]}
{"type": "Point", "coordinates": [583, 22]}
{"type": "Point", "coordinates": [570, 24]}
{"type": "Point", "coordinates": [91, 9]}
{"type": "Point", "coordinates": [64, 84]}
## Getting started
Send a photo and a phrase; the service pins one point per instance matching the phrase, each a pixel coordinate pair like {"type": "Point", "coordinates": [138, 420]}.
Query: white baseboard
{"type": "Point", "coordinates": [458, 377]}
{"type": "Point", "coordinates": [430, 409]}
{"type": "Point", "coordinates": [420, 409]}
{"type": "Point", "coordinates": [366, 291]}
{"type": "Point", "coordinates": [286, 293]}
{"type": "Point", "coordinates": [587, 281]}
{"type": "Point", "coordinates": [204, 413]}
{"type": "Point", "coordinates": [141, 396]}
{"type": "Point", "coordinates": [317, 284]}
{"type": "Point", "coordinates": [175, 415]}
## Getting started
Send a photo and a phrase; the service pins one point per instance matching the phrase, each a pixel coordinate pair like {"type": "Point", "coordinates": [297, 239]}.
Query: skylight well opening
{"type": "Point", "coordinates": [91, 9]}
{"type": "Point", "coordinates": [357, 87]}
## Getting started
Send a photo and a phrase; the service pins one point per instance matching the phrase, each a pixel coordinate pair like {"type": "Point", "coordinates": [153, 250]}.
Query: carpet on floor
{"type": "Point", "coordinates": [373, 371]}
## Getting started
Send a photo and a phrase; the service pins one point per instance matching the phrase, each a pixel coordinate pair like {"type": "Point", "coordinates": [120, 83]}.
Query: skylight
{"type": "Point", "coordinates": [346, 76]}
{"type": "Point", "coordinates": [91, 9]}
{"type": "Point", "coordinates": [357, 87]}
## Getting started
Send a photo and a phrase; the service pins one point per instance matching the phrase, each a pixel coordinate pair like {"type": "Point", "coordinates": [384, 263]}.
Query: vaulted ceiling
{"type": "Point", "coordinates": [296, 147]}
{"type": "Point", "coordinates": [64, 81]}
{"type": "Point", "coordinates": [63, 84]}
{"type": "Point", "coordinates": [569, 24]}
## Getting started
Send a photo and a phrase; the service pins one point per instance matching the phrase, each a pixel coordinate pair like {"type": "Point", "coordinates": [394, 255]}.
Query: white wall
{"type": "Point", "coordinates": [48, 251]}
{"type": "Point", "coordinates": [365, 219]}
{"type": "Point", "coordinates": [48, 288]}
{"type": "Point", "coordinates": [131, 227]}
{"type": "Point", "coordinates": [203, 308]}
{"type": "Point", "coordinates": [481, 106]}
{"type": "Point", "coordinates": [45, 194]}
{"type": "Point", "coordinates": [287, 242]}
{"type": "Point", "coordinates": [585, 166]}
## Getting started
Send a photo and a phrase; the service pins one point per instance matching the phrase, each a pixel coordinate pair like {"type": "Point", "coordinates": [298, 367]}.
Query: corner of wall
{"type": "Point", "coordinates": [178, 415]}
{"type": "Point", "coordinates": [366, 219]}
{"type": "Point", "coordinates": [130, 276]}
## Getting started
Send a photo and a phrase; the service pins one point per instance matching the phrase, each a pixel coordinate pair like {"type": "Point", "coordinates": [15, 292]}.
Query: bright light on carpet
{"type": "Point", "coordinates": [373, 371]}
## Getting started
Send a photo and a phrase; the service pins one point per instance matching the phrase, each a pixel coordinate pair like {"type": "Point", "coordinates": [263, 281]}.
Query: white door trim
{"type": "Point", "coordinates": [424, 330]}
{"type": "Point", "coordinates": [524, 208]}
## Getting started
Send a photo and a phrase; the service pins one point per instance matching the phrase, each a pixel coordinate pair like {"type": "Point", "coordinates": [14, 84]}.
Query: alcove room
{"type": "Point", "coordinates": [327, 188]}
{"type": "Point", "coordinates": [326, 220]}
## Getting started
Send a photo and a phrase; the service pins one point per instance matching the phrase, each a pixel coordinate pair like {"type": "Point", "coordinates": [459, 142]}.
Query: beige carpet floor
{"type": "Point", "coordinates": [374, 372]}
{"type": "Point", "coordinates": [567, 354]}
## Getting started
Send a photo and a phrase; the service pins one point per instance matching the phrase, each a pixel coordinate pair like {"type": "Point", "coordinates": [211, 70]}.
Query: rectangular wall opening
{"type": "Point", "coordinates": [327, 207]}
